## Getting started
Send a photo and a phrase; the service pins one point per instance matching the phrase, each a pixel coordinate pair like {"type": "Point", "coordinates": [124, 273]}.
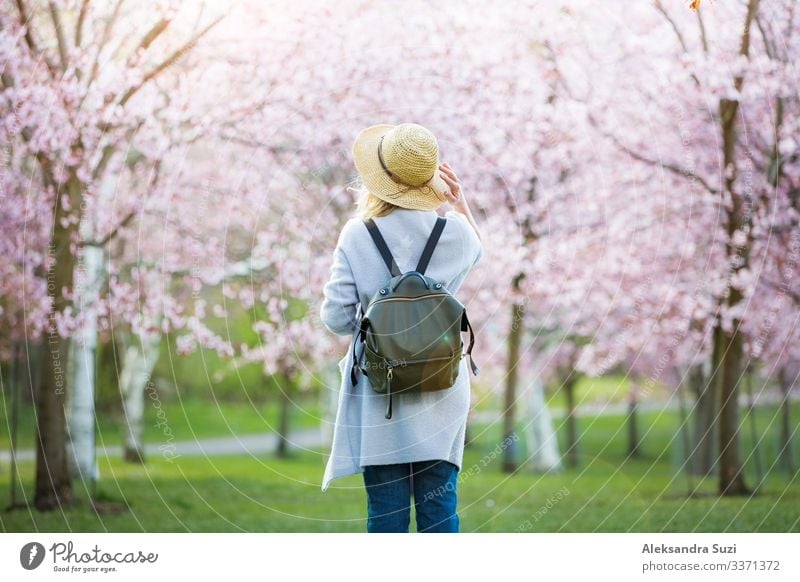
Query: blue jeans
{"type": "Point", "coordinates": [389, 490]}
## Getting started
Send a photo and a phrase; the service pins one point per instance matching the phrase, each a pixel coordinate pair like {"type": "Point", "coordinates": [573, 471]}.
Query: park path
{"type": "Point", "coordinates": [267, 442]}
{"type": "Point", "coordinates": [253, 444]}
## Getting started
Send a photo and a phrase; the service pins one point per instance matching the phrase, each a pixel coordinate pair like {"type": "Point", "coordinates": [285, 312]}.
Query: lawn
{"type": "Point", "coordinates": [187, 418]}
{"type": "Point", "coordinates": [606, 492]}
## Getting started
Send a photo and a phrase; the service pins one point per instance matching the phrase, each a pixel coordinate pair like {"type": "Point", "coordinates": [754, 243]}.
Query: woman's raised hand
{"type": "Point", "coordinates": [455, 195]}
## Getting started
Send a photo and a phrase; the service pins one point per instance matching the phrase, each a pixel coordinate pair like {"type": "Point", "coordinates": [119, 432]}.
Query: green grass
{"type": "Point", "coordinates": [188, 419]}
{"type": "Point", "coordinates": [606, 492]}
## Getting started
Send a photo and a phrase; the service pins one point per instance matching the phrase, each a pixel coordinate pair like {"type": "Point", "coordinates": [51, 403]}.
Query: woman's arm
{"type": "Point", "coordinates": [456, 196]}
{"type": "Point", "coordinates": [339, 305]}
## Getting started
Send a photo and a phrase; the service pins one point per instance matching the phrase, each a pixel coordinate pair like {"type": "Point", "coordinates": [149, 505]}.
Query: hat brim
{"type": "Point", "coordinates": [429, 196]}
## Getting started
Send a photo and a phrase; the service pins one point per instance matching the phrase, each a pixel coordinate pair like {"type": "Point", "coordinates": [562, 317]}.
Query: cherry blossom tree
{"type": "Point", "coordinates": [81, 86]}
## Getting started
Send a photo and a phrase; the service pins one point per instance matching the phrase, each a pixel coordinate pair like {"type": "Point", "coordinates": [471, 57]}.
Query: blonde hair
{"type": "Point", "coordinates": [370, 206]}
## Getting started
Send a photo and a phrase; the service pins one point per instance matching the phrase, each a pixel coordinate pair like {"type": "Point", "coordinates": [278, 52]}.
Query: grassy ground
{"type": "Point", "coordinates": [195, 417]}
{"type": "Point", "coordinates": [606, 492]}
{"type": "Point", "coordinates": [189, 419]}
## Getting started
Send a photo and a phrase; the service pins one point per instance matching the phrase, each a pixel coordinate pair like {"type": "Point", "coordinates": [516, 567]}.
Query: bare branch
{"type": "Point", "coordinates": [105, 38]}
{"type": "Point", "coordinates": [744, 47]}
{"type": "Point", "coordinates": [24, 20]}
{"type": "Point", "coordinates": [702, 26]}
{"type": "Point", "coordinates": [781, 288]}
{"type": "Point", "coordinates": [665, 14]}
{"type": "Point", "coordinates": [169, 61]}
{"type": "Point", "coordinates": [678, 34]}
{"type": "Point", "coordinates": [674, 168]}
{"type": "Point", "coordinates": [768, 48]}
{"type": "Point", "coordinates": [60, 38]}
{"type": "Point", "coordinates": [153, 34]}
{"type": "Point", "coordinates": [79, 24]}
{"type": "Point", "coordinates": [112, 233]}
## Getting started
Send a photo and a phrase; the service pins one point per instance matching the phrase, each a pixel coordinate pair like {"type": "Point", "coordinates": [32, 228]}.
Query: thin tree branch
{"type": "Point", "coordinates": [55, 15]}
{"type": "Point", "coordinates": [104, 39]}
{"type": "Point", "coordinates": [170, 60]}
{"type": "Point", "coordinates": [112, 233]}
{"type": "Point", "coordinates": [24, 20]}
{"type": "Point", "coordinates": [665, 14]}
{"type": "Point", "coordinates": [674, 168]}
{"type": "Point", "coordinates": [152, 34]}
{"type": "Point", "coordinates": [768, 48]}
{"type": "Point", "coordinates": [702, 26]}
{"type": "Point", "coordinates": [781, 288]}
{"type": "Point", "coordinates": [79, 24]}
{"type": "Point", "coordinates": [744, 48]}
{"type": "Point", "coordinates": [681, 40]}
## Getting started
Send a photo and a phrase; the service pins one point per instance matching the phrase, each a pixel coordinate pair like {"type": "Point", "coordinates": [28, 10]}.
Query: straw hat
{"type": "Point", "coordinates": [400, 164]}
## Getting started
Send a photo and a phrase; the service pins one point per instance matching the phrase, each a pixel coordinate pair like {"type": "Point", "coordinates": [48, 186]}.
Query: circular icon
{"type": "Point", "coordinates": [31, 555]}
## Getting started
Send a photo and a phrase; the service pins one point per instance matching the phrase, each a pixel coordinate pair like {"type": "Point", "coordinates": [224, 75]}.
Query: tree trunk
{"type": "Point", "coordinates": [137, 369]}
{"type": "Point", "coordinates": [82, 397]}
{"type": "Point", "coordinates": [727, 359]}
{"type": "Point", "coordinates": [728, 344]}
{"type": "Point", "coordinates": [53, 486]}
{"type": "Point", "coordinates": [785, 458]}
{"type": "Point", "coordinates": [542, 439]}
{"type": "Point", "coordinates": [572, 425]}
{"type": "Point", "coordinates": [515, 333]}
{"type": "Point", "coordinates": [13, 417]}
{"type": "Point", "coordinates": [82, 364]}
{"type": "Point", "coordinates": [633, 428]}
{"type": "Point", "coordinates": [685, 438]}
{"type": "Point", "coordinates": [285, 403]}
{"type": "Point", "coordinates": [702, 459]}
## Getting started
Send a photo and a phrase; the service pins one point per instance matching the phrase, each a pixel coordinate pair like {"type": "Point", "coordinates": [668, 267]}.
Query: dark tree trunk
{"type": "Point", "coordinates": [727, 362]}
{"type": "Point", "coordinates": [785, 458]}
{"type": "Point", "coordinates": [704, 450]}
{"type": "Point", "coordinates": [685, 437]}
{"type": "Point", "coordinates": [571, 420]}
{"type": "Point", "coordinates": [53, 486]}
{"type": "Point", "coordinates": [728, 345]}
{"type": "Point", "coordinates": [510, 462]}
{"type": "Point", "coordinates": [284, 411]}
{"type": "Point", "coordinates": [633, 428]}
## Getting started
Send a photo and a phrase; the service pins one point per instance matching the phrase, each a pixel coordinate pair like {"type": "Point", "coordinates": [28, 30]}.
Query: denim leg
{"type": "Point", "coordinates": [388, 497]}
{"type": "Point", "coordinates": [434, 485]}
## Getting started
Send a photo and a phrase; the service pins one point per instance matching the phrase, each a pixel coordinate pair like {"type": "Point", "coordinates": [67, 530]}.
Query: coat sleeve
{"type": "Point", "coordinates": [339, 304]}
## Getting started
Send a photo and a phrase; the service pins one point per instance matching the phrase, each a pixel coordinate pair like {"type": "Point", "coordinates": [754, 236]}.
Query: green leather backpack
{"type": "Point", "coordinates": [411, 330]}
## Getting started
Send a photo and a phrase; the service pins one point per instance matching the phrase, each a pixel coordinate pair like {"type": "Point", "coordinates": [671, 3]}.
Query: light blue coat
{"type": "Point", "coordinates": [423, 426]}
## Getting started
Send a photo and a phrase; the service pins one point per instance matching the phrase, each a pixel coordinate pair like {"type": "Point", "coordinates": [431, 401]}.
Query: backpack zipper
{"type": "Point", "coordinates": [409, 298]}
{"type": "Point", "coordinates": [404, 362]}
{"type": "Point", "coordinates": [388, 414]}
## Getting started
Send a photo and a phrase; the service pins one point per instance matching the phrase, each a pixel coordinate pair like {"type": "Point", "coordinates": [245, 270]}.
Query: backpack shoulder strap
{"type": "Point", "coordinates": [431, 244]}
{"type": "Point", "coordinates": [377, 238]}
